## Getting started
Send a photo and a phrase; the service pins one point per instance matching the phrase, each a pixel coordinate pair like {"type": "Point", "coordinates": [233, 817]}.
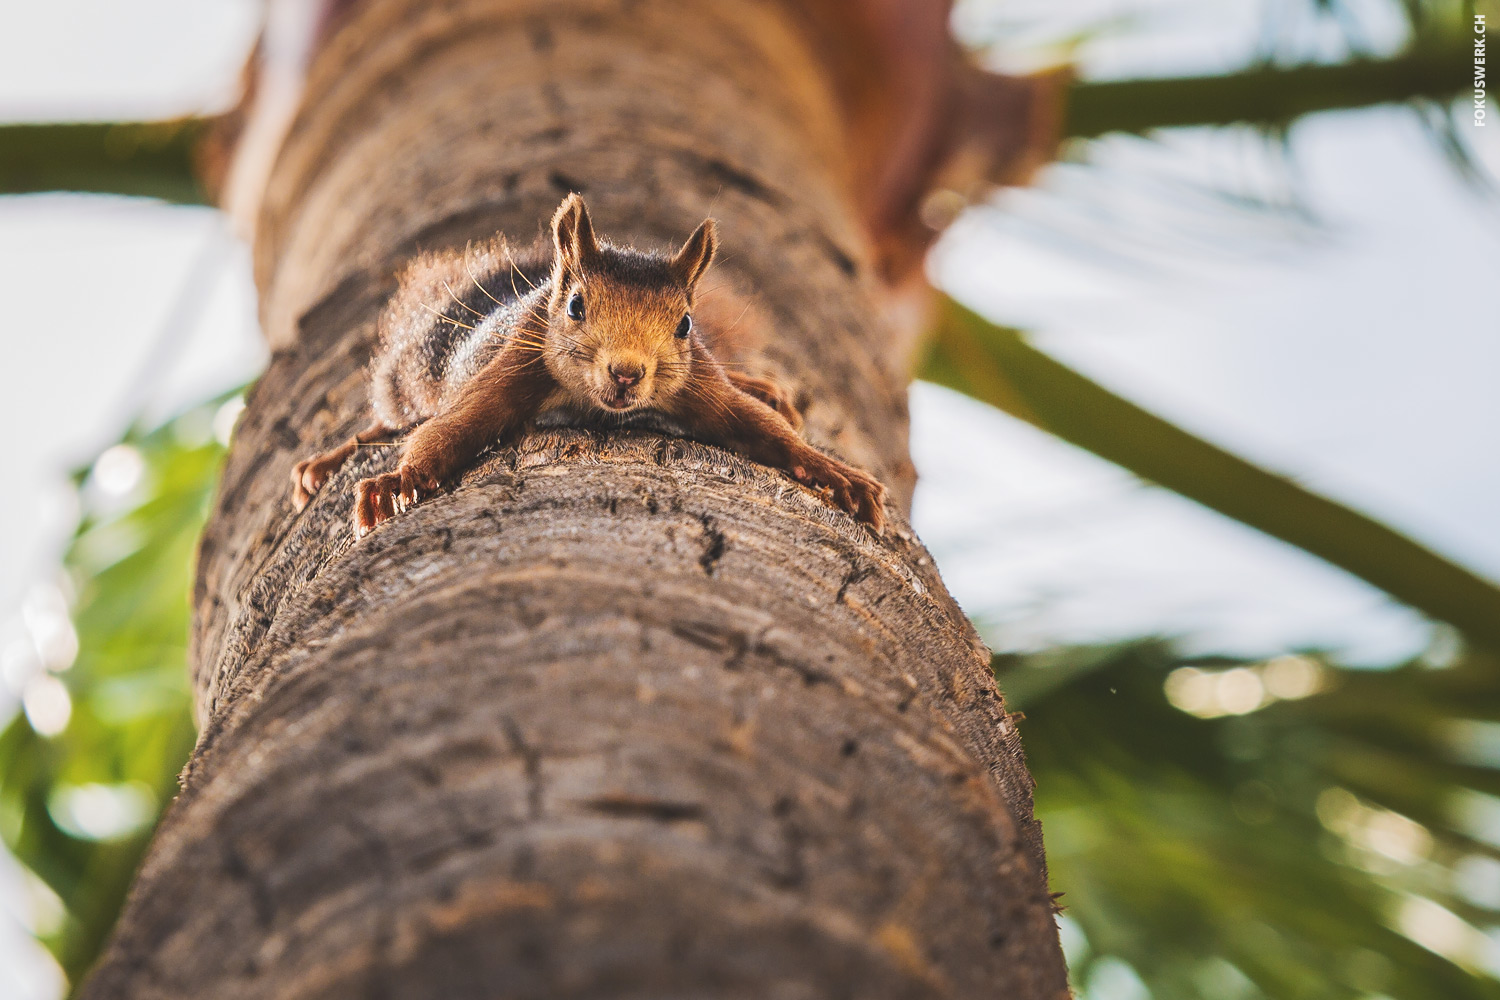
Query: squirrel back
{"type": "Point", "coordinates": [450, 316]}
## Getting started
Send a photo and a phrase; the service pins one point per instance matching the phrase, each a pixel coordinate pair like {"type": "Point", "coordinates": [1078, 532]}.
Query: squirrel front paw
{"type": "Point", "coordinates": [854, 492]}
{"type": "Point", "coordinates": [380, 497]}
{"type": "Point", "coordinates": [309, 475]}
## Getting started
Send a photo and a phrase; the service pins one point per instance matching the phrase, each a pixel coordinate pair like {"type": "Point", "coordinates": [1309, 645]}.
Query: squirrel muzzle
{"type": "Point", "coordinates": [625, 380]}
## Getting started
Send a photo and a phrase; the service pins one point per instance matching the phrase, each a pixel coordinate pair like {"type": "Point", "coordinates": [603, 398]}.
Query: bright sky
{"type": "Point", "coordinates": [1355, 351]}
{"type": "Point", "coordinates": [1356, 356]}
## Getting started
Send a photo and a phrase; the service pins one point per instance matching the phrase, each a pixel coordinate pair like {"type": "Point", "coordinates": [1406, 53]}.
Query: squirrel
{"type": "Point", "coordinates": [607, 338]}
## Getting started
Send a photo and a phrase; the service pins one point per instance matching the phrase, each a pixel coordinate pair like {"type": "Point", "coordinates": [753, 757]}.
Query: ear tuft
{"type": "Point", "coordinates": [696, 254]}
{"type": "Point", "coordinates": [573, 235]}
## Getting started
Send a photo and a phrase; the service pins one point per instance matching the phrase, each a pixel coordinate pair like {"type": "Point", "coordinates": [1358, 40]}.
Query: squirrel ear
{"type": "Point", "coordinates": [696, 254]}
{"type": "Point", "coordinates": [573, 234]}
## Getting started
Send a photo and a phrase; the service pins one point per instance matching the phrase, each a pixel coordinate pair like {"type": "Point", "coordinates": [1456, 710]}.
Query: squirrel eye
{"type": "Point", "coordinates": [575, 307]}
{"type": "Point", "coordinates": [686, 326]}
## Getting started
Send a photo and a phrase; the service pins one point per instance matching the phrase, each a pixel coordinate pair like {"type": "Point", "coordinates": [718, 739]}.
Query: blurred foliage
{"type": "Point", "coordinates": [995, 364]}
{"type": "Point", "coordinates": [77, 807]}
{"type": "Point", "coordinates": [1288, 847]}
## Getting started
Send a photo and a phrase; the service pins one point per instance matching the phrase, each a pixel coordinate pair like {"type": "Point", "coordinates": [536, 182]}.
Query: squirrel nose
{"type": "Point", "coordinates": [626, 374]}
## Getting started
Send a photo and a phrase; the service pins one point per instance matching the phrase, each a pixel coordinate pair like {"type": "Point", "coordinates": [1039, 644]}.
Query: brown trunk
{"type": "Point", "coordinates": [622, 715]}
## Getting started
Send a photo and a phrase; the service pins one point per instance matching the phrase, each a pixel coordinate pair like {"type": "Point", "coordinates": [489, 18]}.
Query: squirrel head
{"type": "Point", "coordinates": [620, 325]}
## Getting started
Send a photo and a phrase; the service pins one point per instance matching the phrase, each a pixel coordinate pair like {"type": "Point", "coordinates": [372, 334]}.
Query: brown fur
{"type": "Point", "coordinates": [598, 339]}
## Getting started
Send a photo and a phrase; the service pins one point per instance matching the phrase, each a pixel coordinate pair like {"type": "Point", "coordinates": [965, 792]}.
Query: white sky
{"type": "Point", "coordinates": [1355, 353]}
{"type": "Point", "coordinates": [1357, 357]}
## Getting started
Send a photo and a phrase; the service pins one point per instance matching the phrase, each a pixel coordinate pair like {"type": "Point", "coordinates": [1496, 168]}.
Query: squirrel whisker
{"type": "Point", "coordinates": [477, 285]}
{"type": "Point", "coordinates": [515, 269]}
{"type": "Point", "coordinates": [443, 315]}
{"type": "Point", "coordinates": [460, 302]}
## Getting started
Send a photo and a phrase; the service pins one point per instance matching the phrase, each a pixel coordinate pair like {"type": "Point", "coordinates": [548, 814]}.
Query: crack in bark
{"type": "Point", "coordinates": [532, 761]}
{"type": "Point", "coordinates": [565, 184]}
{"type": "Point", "coordinates": [793, 869]}
{"type": "Point", "coordinates": [238, 869]}
{"type": "Point", "coordinates": [632, 807]}
{"type": "Point", "coordinates": [853, 576]}
{"type": "Point", "coordinates": [740, 180]}
{"type": "Point", "coordinates": [715, 545]}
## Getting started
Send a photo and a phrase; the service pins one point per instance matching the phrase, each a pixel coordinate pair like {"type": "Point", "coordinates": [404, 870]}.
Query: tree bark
{"type": "Point", "coordinates": [622, 715]}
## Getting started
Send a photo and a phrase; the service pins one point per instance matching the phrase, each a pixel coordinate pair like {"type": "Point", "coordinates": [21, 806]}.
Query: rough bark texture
{"type": "Point", "coordinates": [622, 715]}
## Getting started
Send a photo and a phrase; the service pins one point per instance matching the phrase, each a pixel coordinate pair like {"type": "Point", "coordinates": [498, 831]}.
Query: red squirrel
{"type": "Point", "coordinates": [608, 336]}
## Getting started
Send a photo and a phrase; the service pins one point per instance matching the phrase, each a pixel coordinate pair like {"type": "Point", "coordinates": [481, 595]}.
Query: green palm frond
{"type": "Point", "coordinates": [1267, 95]}
{"type": "Point", "coordinates": [147, 159]}
{"type": "Point", "coordinates": [1309, 846]}
{"type": "Point", "coordinates": [996, 365]}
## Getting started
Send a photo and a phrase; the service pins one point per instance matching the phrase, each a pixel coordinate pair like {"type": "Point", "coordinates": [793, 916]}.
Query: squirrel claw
{"type": "Point", "coordinates": [852, 491]}
{"type": "Point", "coordinates": [372, 502]}
{"type": "Point", "coordinates": [869, 497]}
{"type": "Point", "coordinates": [304, 485]}
{"type": "Point", "coordinates": [382, 497]}
{"type": "Point", "coordinates": [309, 475]}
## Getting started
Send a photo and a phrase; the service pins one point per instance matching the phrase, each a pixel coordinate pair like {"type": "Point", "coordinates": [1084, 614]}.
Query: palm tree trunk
{"type": "Point", "coordinates": [622, 715]}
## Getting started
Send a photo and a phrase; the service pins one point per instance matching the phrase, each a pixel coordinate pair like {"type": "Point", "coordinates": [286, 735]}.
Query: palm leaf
{"type": "Point", "coordinates": [1268, 95]}
{"type": "Point", "coordinates": [1311, 847]}
{"type": "Point", "coordinates": [149, 159]}
{"type": "Point", "coordinates": [996, 365]}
